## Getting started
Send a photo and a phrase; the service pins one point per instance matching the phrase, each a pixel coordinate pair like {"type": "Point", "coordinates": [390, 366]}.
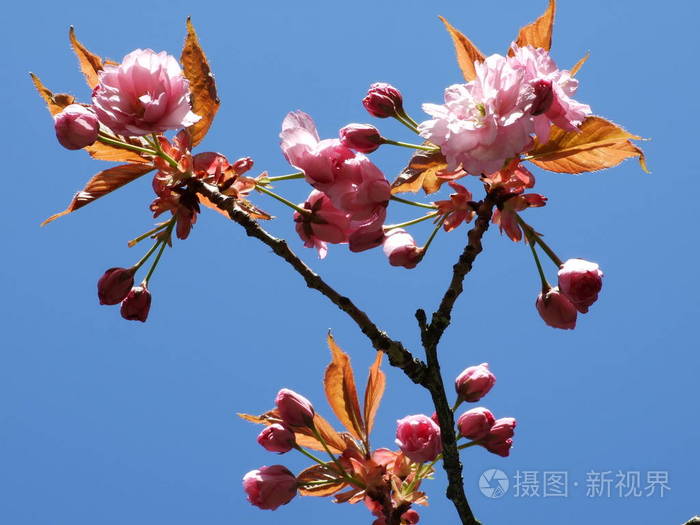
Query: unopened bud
{"type": "Point", "coordinates": [383, 100]}
{"type": "Point", "coordinates": [364, 138]}
{"type": "Point", "coordinates": [556, 310]}
{"type": "Point", "coordinates": [137, 303]}
{"type": "Point", "coordinates": [76, 126]}
{"type": "Point", "coordinates": [295, 410]}
{"type": "Point", "coordinates": [115, 284]}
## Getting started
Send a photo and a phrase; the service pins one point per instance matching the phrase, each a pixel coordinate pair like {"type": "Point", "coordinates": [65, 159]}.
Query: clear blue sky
{"type": "Point", "coordinates": [109, 422]}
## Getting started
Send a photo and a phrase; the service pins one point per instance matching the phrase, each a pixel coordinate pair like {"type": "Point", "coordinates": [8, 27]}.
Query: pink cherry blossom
{"type": "Point", "coordinates": [475, 382]}
{"type": "Point", "coordinates": [401, 249]}
{"type": "Point", "coordinates": [146, 93]}
{"type": "Point", "coordinates": [277, 438]}
{"type": "Point", "coordinates": [556, 310]}
{"type": "Point", "coordinates": [324, 224]}
{"type": "Point", "coordinates": [270, 487]}
{"type": "Point", "coordinates": [580, 281]}
{"type": "Point", "coordinates": [485, 122]}
{"type": "Point", "coordinates": [419, 438]}
{"type": "Point", "coordinates": [76, 126]}
{"type": "Point", "coordinates": [476, 423]}
{"type": "Point", "coordinates": [553, 89]}
{"type": "Point", "coordinates": [499, 439]}
{"type": "Point", "coordinates": [295, 410]}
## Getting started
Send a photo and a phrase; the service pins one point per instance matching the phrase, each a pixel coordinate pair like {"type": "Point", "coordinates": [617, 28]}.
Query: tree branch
{"type": "Point", "coordinates": [398, 355]}
{"type": "Point", "coordinates": [430, 337]}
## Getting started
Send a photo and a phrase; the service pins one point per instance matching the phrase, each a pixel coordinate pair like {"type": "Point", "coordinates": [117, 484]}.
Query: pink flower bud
{"type": "Point", "coordinates": [277, 438]}
{"type": "Point", "coordinates": [580, 281]}
{"type": "Point", "coordinates": [474, 382]}
{"type": "Point", "coordinates": [137, 303]}
{"type": "Point", "coordinates": [76, 126]}
{"type": "Point", "coordinates": [295, 410]}
{"type": "Point", "coordinates": [476, 423]}
{"type": "Point", "coordinates": [383, 100]}
{"type": "Point", "coordinates": [556, 310]}
{"type": "Point", "coordinates": [115, 285]}
{"type": "Point", "coordinates": [364, 138]}
{"type": "Point", "coordinates": [499, 437]}
{"type": "Point", "coordinates": [410, 517]}
{"type": "Point", "coordinates": [401, 249]}
{"type": "Point", "coordinates": [146, 93]}
{"type": "Point", "coordinates": [270, 487]}
{"type": "Point", "coordinates": [419, 438]}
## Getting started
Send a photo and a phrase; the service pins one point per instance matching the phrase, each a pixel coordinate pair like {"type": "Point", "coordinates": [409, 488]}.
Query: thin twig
{"type": "Point", "coordinates": [398, 355]}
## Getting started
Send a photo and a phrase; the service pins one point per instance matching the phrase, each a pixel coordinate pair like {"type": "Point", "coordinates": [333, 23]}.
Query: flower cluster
{"type": "Point", "coordinates": [490, 120]}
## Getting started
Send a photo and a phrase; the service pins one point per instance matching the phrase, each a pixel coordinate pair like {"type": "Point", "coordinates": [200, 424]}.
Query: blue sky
{"type": "Point", "coordinates": [109, 422]}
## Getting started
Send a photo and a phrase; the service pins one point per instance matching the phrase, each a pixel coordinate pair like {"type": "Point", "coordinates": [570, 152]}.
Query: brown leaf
{"type": "Point", "coordinates": [101, 184]}
{"type": "Point", "coordinates": [421, 172]}
{"type": "Point", "coordinates": [467, 53]}
{"type": "Point", "coordinates": [538, 33]}
{"type": "Point", "coordinates": [205, 101]}
{"type": "Point", "coordinates": [247, 206]}
{"type": "Point", "coordinates": [90, 63]}
{"type": "Point", "coordinates": [319, 473]}
{"type": "Point", "coordinates": [341, 393]}
{"type": "Point", "coordinates": [598, 145]}
{"type": "Point", "coordinates": [54, 102]}
{"type": "Point", "coordinates": [579, 64]}
{"type": "Point", "coordinates": [376, 382]}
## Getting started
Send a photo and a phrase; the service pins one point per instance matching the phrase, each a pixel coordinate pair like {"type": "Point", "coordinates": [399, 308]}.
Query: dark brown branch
{"type": "Point", "coordinates": [430, 337]}
{"type": "Point", "coordinates": [398, 356]}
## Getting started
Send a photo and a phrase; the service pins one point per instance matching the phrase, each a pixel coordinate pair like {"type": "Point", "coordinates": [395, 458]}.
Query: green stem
{"type": "Point", "coordinates": [134, 242]}
{"type": "Point", "coordinates": [408, 145]}
{"type": "Point", "coordinates": [545, 285]}
{"type": "Point", "coordinates": [119, 144]}
{"type": "Point", "coordinates": [457, 403]}
{"type": "Point", "coordinates": [291, 176]}
{"type": "Point", "coordinates": [411, 222]}
{"type": "Point", "coordinates": [147, 256]}
{"type": "Point", "coordinates": [162, 243]}
{"type": "Point", "coordinates": [532, 234]}
{"type": "Point", "coordinates": [263, 189]}
{"type": "Point", "coordinates": [435, 230]}
{"type": "Point", "coordinates": [406, 123]}
{"type": "Point", "coordinates": [413, 203]}
{"type": "Point", "coordinates": [408, 118]}
{"type": "Point", "coordinates": [342, 471]}
{"type": "Point", "coordinates": [467, 445]}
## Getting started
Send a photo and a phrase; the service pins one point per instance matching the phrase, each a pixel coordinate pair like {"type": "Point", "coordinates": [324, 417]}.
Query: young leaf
{"type": "Point", "coordinates": [376, 382]}
{"type": "Point", "coordinates": [599, 144]}
{"type": "Point", "coordinates": [90, 63]}
{"type": "Point", "coordinates": [246, 206]}
{"type": "Point", "coordinates": [324, 481]}
{"type": "Point", "coordinates": [205, 101]}
{"type": "Point", "coordinates": [101, 184]}
{"type": "Point", "coordinates": [421, 172]}
{"type": "Point", "coordinates": [339, 384]}
{"type": "Point", "coordinates": [54, 102]}
{"type": "Point", "coordinates": [578, 65]}
{"type": "Point", "coordinates": [467, 53]}
{"type": "Point", "coordinates": [538, 33]}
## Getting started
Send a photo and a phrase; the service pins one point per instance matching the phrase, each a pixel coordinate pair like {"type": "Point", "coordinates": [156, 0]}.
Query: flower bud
{"type": "Point", "coordinates": [410, 517]}
{"type": "Point", "coordinates": [277, 438]}
{"type": "Point", "coordinates": [364, 138]}
{"type": "Point", "coordinates": [474, 382]}
{"type": "Point", "coordinates": [401, 249]}
{"type": "Point", "coordinates": [580, 281]}
{"type": "Point", "coordinates": [270, 487]}
{"type": "Point", "coordinates": [419, 438]}
{"type": "Point", "coordinates": [136, 304]}
{"type": "Point", "coordinates": [476, 423]}
{"type": "Point", "coordinates": [499, 437]}
{"type": "Point", "coordinates": [76, 126]}
{"type": "Point", "coordinates": [115, 285]}
{"type": "Point", "coordinates": [556, 310]}
{"type": "Point", "coordinates": [383, 100]}
{"type": "Point", "coordinates": [295, 410]}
